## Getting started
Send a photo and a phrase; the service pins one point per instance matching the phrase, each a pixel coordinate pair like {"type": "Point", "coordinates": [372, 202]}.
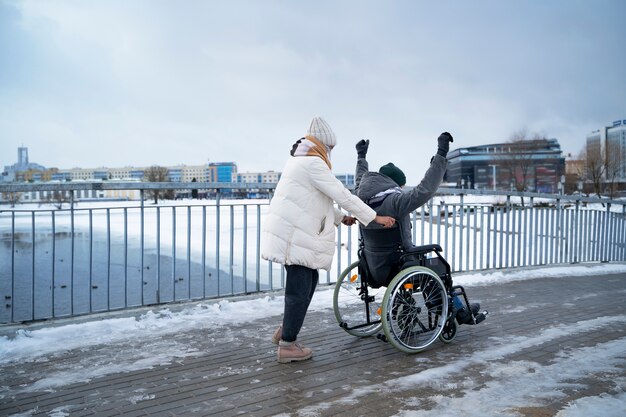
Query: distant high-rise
{"type": "Point", "coordinates": [22, 156]}
{"type": "Point", "coordinates": [33, 171]}
{"type": "Point", "coordinates": [607, 147]}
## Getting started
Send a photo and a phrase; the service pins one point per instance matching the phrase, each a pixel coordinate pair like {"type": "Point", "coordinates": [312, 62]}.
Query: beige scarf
{"type": "Point", "coordinates": [311, 146]}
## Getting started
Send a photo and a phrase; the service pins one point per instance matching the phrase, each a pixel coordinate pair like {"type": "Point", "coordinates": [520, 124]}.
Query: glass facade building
{"type": "Point", "coordinates": [534, 165]}
{"type": "Point", "coordinates": [607, 147]}
{"type": "Point", "coordinates": [616, 149]}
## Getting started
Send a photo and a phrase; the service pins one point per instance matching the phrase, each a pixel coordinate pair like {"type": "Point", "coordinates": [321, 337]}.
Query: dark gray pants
{"type": "Point", "coordinates": [299, 290]}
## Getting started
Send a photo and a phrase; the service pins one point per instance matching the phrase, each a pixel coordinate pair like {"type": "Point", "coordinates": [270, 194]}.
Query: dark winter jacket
{"type": "Point", "coordinates": [387, 199]}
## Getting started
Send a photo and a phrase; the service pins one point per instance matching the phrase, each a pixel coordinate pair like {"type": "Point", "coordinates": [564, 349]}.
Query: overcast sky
{"type": "Point", "coordinates": [116, 83]}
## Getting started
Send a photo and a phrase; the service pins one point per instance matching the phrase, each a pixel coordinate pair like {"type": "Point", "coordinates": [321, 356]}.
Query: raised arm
{"type": "Point", "coordinates": [362, 165]}
{"type": "Point", "coordinates": [418, 196]}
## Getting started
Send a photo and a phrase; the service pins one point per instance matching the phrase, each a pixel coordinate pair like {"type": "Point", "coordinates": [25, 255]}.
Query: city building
{"type": "Point", "coordinates": [269, 177]}
{"type": "Point", "coordinates": [346, 179]}
{"type": "Point", "coordinates": [616, 149]}
{"type": "Point", "coordinates": [532, 165]}
{"type": "Point", "coordinates": [213, 172]}
{"type": "Point", "coordinates": [29, 171]}
{"type": "Point", "coordinates": [605, 168]}
{"type": "Point", "coordinates": [219, 172]}
{"type": "Point", "coordinates": [606, 147]}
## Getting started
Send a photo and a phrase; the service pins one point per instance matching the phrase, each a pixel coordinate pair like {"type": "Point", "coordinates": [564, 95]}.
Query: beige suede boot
{"type": "Point", "coordinates": [292, 352]}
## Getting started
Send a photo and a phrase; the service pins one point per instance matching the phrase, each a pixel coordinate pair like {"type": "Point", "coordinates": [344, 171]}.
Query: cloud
{"type": "Point", "coordinates": [227, 81]}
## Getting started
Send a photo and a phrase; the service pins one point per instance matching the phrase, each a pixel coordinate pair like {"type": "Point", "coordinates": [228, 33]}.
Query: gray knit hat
{"type": "Point", "coordinates": [322, 131]}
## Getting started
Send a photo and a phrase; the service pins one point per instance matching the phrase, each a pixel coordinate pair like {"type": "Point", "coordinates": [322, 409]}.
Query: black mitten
{"type": "Point", "coordinates": [361, 147]}
{"type": "Point", "coordinates": [443, 143]}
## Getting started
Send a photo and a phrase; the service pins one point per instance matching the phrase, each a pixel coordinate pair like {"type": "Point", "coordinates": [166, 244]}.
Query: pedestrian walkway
{"type": "Point", "coordinates": [546, 343]}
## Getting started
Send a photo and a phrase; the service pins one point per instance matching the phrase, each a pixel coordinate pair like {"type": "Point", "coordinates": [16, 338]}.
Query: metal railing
{"type": "Point", "coordinates": [91, 256]}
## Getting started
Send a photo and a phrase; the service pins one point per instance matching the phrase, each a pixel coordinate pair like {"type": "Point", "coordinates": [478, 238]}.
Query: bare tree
{"type": "Point", "coordinates": [58, 198]}
{"type": "Point", "coordinates": [157, 173]}
{"type": "Point", "coordinates": [13, 197]}
{"type": "Point", "coordinates": [522, 147]}
{"type": "Point", "coordinates": [595, 167]}
{"type": "Point", "coordinates": [612, 168]}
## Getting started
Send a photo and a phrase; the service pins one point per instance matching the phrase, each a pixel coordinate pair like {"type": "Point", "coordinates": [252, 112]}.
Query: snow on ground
{"type": "Point", "coordinates": [28, 345]}
{"type": "Point", "coordinates": [513, 384]}
{"type": "Point", "coordinates": [510, 389]}
{"type": "Point", "coordinates": [509, 275]}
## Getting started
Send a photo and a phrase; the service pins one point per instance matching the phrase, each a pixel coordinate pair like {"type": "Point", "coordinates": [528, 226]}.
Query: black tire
{"type": "Point", "coordinates": [415, 309]}
{"type": "Point", "coordinates": [353, 313]}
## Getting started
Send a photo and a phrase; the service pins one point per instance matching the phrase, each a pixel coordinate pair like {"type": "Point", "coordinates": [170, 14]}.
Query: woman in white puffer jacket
{"type": "Point", "coordinates": [299, 231]}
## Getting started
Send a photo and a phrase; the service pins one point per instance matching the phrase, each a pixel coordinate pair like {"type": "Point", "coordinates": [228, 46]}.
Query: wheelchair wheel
{"type": "Point", "coordinates": [415, 309]}
{"type": "Point", "coordinates": [449, 331]}
{"type": "Point", "coordinates": [355, 312]}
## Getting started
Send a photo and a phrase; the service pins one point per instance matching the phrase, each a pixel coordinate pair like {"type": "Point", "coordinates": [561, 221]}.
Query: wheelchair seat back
{"type": "Point", "coordinates": [383, 256]}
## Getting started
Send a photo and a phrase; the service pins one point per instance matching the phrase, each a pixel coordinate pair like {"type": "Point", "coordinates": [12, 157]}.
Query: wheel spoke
{"type": "Point", "coordinates": [415, 309]}
{"type": "Point", "coordinates": [357, 317]}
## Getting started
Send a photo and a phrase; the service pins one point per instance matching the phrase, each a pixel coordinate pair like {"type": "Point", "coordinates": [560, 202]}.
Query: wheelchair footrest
{"type": "Point", "coordinates": [345, 326]}
{"type": "Point", "coordinates": [478, 318]}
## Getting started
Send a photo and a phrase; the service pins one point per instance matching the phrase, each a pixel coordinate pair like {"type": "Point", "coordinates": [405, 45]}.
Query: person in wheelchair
{"type": "Point", "coordinates": [383, 191]}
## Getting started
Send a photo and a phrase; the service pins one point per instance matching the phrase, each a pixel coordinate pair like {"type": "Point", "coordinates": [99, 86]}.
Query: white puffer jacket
{"type": "Point", "coordinates": [300, 226]}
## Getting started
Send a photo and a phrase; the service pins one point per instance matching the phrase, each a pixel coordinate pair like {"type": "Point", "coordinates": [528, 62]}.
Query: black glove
{"type": "Point", "coordinates": [443, 143]}
{"type": "Point", "coordinates": [361, 147]}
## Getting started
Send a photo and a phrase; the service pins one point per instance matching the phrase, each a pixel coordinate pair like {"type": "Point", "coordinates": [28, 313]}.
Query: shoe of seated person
{"type": "Point", "coordinates": [292, 352]}
{"type": "Point", "coordinates": [465, 317]}
{"type": "Point", "coordinates": [278, 334]}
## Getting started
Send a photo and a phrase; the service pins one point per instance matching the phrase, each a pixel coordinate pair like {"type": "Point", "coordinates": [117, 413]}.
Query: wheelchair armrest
{"type": "Point", "coordinates": [424, 249]}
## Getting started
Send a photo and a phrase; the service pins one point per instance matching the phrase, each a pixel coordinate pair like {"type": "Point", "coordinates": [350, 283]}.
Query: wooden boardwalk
{"type": "Point", "coordinates": [233, 371]}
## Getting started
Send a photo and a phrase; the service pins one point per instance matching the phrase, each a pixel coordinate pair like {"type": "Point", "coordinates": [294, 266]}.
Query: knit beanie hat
{"type": "Point", "coordinates": [394, 173]}
{"type": "Point", "coordinates": [322, 131]}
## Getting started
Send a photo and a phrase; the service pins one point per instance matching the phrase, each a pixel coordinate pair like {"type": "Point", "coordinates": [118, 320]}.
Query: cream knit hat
{"type": "Point", "coordinates": [322, 131]}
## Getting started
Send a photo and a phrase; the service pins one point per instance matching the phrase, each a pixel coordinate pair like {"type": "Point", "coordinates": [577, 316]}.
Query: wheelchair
{"type": "Point", "coordinates": [419, 305]}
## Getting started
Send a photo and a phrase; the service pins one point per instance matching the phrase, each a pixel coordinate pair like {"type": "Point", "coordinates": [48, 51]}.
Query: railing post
{"type": "Point", "coordinates": [490, 209]}
{"type": "Point", "coordinates": [528, 230]}
{"type": "Point", "coordinates": [12, 267]}
{"type": "Point", "coordinates": [158, 254]}
{"type": "Point", "coordinates": [606, 233]}
{"type": "Point", "coordinates": [338, 249]}
{"type": "Point", "coordinates": [258, 247]}
{"type": "Point", "coordinates": [174, 279]}
{"type": "Point", "coordinates": [245, 249]}
{"type": "Point", "coordinates": [507, 233]}
{"type": "Point", "coordinates": [430, 220]}
{"type": "Point", "coordinates": [141, 243]}
{"type": "Point", "coordinates": [231, 253]}
{"type": "Point", "coordinates": [203, 251]}
{"type": "Point", "coordinates": [461, 225]}
{"type": "Point", "coordinates": [189, 252]}
{"type": "Point", "coordinates": [53, 258]}
{"type": "Point", "coordinates": [72, 252]}
{"type": "Point", "coordinates": [125, 256]}
{"type": "Point", "coordinates": [217, 239]}
{"type": "Point", "coordinates": [623, 238]}
{"type": "Point", "coordinates": [33, 266]}
{"type": "Point", "coordinates": [576, 239]}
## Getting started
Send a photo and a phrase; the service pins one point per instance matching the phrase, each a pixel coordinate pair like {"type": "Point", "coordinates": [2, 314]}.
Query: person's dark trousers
{"type": "Point", "coordinates": [299, 290]}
